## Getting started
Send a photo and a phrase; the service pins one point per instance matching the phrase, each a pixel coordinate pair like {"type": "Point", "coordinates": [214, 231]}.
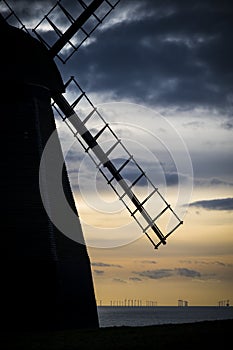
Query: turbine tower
{"type": "Point", "coordinates": [46, 276]}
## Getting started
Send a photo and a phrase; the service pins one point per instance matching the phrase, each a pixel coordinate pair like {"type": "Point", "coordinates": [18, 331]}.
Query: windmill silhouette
{"type": "Point", "coordinates": [46, 275]}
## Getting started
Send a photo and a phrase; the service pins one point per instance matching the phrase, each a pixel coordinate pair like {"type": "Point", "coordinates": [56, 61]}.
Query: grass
{"type": "Point", "coordinates": [199, 335]}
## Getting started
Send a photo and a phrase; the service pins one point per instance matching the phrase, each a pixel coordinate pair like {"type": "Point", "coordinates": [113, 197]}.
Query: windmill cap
{"type": "Point", "coordinates": [24, 60]}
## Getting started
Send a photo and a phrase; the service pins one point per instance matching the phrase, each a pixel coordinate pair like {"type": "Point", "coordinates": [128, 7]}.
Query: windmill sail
{"type": "Point", "coordinates": [77, 30]}
{"type": "Point", "coordinates": [104, 159]}
{"type": "Point", "coordinates": [10, 16]}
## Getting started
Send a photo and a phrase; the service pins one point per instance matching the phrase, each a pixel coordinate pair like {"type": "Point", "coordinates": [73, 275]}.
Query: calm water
{"type": "Point", "coordinates": [110, 316]}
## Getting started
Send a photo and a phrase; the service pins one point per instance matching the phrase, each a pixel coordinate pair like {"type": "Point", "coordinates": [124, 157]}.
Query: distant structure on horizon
{"type": "Point", "coordinates": [128, 303]}
{"type": "Point", "coordinates": [182, 302]}
{"type": "Point", "coordinates": [224, 302]}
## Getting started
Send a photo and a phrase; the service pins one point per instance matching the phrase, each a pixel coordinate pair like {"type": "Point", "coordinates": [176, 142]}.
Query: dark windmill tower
{"type": "Point", "coordinates": [46, 277]}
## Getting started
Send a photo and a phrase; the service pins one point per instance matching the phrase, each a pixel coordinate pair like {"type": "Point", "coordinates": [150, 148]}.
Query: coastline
{"type": "Point", "coordinates": [185, 336]}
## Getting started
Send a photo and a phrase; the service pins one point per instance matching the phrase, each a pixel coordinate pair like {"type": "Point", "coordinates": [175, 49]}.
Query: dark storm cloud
{"type": "Point", "coordinates": [219, 263]}
{"type": "Point", "coordinates": [228, 125]}
{"type": "Point", "coordinates": [101, 264]}
{"type": "Point", "coordinates": [99, 272]}
{"type": "Point", "coordinates": [215, 182]}
{"type": "Point", "coordinates": [187, 272]}
{"type": "Point", "coordinates": [163, 53]}
{"type": "Point", "coordinates": [212, 182]}
{"type": "Point", "coordinates": [28, 10]}
{"type": "Point", "coordinates": [149, 262]}
{"type": "Point", "coordinates": [164, 273]}
{"type": "Point", "coordinates": [135, 279]}
{"type": "Point", "coordinates": [207, 262]}
{"type": "Point", "coordinates": [156, 274]}
{"type": "Point", "coordinates": [183, 58]}
{"type": "Point", "coordinates": [211, 162]}
{"type": "Point", "coordinates": [214, 204]}
{"type": "Point", "coordinates": [118, 280]}
{"type": "Point", "coordinates": [173, 178]}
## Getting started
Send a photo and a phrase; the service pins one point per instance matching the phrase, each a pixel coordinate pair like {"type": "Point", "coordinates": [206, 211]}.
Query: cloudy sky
{"type": "Point", "coordinates": [161, 73]}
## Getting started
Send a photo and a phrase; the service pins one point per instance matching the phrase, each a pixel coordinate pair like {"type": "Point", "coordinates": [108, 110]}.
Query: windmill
{"type": "Point", "coordinates": [64, 295]}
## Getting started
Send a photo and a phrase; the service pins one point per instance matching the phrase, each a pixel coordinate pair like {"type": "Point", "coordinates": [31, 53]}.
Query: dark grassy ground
{"type": "Point", "coordinates": [200, 335]}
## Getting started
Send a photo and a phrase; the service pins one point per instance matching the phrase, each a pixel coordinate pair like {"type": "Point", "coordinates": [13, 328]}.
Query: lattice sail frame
{"type": "Point", "coordinates": [10, 16]}
{"type": "Point", "coordinates": [84, 28]}
{"type": "Point", "coordinates": [103, 159]}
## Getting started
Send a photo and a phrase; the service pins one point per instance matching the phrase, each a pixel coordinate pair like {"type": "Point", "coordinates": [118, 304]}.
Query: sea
{"type": "Point", "coordinates": [117, 316]}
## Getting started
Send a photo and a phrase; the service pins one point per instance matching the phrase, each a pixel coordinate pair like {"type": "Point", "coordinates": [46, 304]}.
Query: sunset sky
{"type": "Point", "coordinates": [161, 74]}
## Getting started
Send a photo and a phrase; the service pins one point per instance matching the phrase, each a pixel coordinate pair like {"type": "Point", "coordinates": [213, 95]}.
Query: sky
{"type": "Point", "coordinates": [161, 74]}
